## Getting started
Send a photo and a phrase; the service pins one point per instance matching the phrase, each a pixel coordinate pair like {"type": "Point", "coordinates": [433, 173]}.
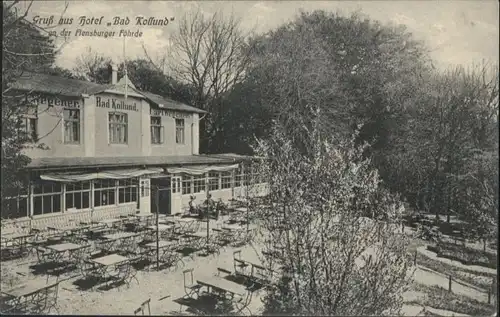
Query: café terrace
{"type": "Point", "coordinates": [108, 148]}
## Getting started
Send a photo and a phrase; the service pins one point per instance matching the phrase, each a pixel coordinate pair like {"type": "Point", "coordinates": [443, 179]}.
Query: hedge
{"type": "Point", "coordinates": [464, 255]}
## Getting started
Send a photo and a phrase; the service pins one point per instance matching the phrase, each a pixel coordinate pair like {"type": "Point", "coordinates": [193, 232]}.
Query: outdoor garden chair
{"type": "Point", "coordinates": [125, 272]}
{"type": "Point", "coordinates": [44, 255]}
{"type": "Point", "coordinates": [88, 269]}
{"type": "Point", "coordinates": [213, 246]}
{"type": "Point", "coordinates": [80, 254]}
{"type": "Point", "coordinates": [171, 257]}
{"type": "Point", "coordinates": [240, 267]}
{"type": "Point", "coordinates": [190, 286]}
{"type": "Point", "coordinates": [242, 302]}
{"type": "Point", "coordinates": [141, 309]}
{"type": "Point", "coordinates": [48, 301]}
{"type": "Point", "coordinates": [194, 227]}
{"type": "Point", "coordinates": [145, 257]}
{"type": "Point", "coordinates": [261, 275]}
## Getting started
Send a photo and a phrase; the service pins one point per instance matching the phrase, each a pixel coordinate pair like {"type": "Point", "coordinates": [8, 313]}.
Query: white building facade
{"type": "Point", "coordinates": [109, 148]}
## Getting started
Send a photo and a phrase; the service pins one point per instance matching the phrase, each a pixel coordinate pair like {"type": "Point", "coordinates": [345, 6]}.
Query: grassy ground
{"type": "Point", "coordinates": [465, 254]}
{"type": "Point", "coordinates": [9, 277]}
{"type": "Point", "coordinates": [479, 279]}
{"type": "Point", "coordinates": [439, 298]}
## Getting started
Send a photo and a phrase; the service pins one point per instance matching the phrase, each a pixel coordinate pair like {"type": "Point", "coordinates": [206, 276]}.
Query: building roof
{"type": "Point", "coordinates": [238, 157]}
{"type": "Point", "coordinates": [125, 81]}
{"type": "Point", "coordinates": [167, 103]}
{"type": "Point", "coordinates": [56, 85]}
{"type": "Point", "coordinates": [86, 162]}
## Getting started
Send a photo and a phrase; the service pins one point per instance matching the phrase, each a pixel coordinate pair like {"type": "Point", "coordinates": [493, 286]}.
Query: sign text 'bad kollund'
{"type": "Point", "coordinates": [115, 104]}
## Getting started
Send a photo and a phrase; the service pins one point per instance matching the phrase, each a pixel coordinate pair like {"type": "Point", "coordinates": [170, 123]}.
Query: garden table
{"type": "Point", "coordinates": [161, 244]}
{"type": "Point", "coordinates": [60, 250]}
{"type": "Point", "coordinates": [220, 285]}
{"type": "Point", "coordinates": [120, 235]}
{"type": "Point", "coordinates": [166, 250]}
{"type": "Point", "coordinates": [145, 217]}
{"type": "Point", "coordinates": [161, 227]}
{"type": "Point", "coordinates": [110, 222]}
{"type": "Point", "coordinates": [105, 264]}
{"type": "Point", "coordinates": [184, 224]}
{"type": "Point", "coordinates": [18, 242]}
{"type": "Point", "coordinates": [126, 241]}
{"type": "Point", "coordinates": [32, 294]}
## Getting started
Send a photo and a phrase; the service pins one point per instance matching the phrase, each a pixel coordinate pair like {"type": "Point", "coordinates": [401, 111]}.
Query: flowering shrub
{"type": "Point", "coordinates": [332, 228]}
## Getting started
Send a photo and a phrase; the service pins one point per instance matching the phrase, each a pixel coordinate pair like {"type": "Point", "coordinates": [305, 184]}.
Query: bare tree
{"type": "Point", "coordinates": [92, 66]}
{"type": "Point", "coordinates": [211, 55]}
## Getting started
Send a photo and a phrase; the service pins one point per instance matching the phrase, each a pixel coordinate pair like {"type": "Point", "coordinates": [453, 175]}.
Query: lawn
{"type": "Point", "coordinates": [482, 280]}
{"type": "Point", "coordinates": [440, 298]}
{"type": "Point", "coordinates": [464, 254]}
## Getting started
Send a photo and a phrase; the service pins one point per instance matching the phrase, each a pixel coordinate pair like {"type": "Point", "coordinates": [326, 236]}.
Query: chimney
{"type": "Point", "coordinates": [114, 74]}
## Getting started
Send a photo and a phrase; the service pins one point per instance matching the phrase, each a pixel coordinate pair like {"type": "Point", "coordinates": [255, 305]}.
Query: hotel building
{"type": "Point", "coordinates": [109, 148]}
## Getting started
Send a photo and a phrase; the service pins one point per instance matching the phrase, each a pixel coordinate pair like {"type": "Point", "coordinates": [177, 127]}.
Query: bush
{"type": "Point", "coordinates": [464, 255]}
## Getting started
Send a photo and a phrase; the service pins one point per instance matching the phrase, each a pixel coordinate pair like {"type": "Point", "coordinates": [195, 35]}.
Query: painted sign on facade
{"type": "Point", "coordinates": [115, 104]}
{"type": "Point", "coordinates": [169, 113]}
{"type": "Point", "coordinates": [57, 102]}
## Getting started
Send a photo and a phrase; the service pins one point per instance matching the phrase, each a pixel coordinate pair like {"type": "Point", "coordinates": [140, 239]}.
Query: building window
{"type": "Point", "coordinates": [47, 198]}
{"type": "Point", "coordinates": [240, 176]}
{"type": "Point", "coordinates": [144, 188]}
{"type": "Point", "coordinates": [118, 128]}
{"type": "Point", "coordinates": [226, 178]}
{"type": "Point", "coordinates": [15, 207]}
{"type": "Point", "coordinates": [156, 130]}
{"type": "Point", "coordinates": [198, 183]}
{"type": "Point", "coordinates": [213, 181]}
{"type": "Point", "coordinates": [186, 184]}
{"type": "Point", "coordinates": [71, 125]}
{"type": "Point", "coordinates": [179, 131]}
{"type": "Point", "coordinates": [78, 195]}
{"type": "Point", "coordinates": [247, 175]}
{"type": "Point", "coordinates": [176, 185]}
{"type": "Point", "coordinates": [104, 192]}
{"type": "Point", "coordinates": [31, 127]}
{"type": "Point", "coordinates": [127, 191]}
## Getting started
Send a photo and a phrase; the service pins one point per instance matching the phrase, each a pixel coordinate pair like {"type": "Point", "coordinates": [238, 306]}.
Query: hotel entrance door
{"type": "Point", "coordinates": [161, 187]}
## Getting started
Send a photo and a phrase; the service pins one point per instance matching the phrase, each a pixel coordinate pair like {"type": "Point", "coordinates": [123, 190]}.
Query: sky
{"type": "Point", "coordinates": [456, 32]}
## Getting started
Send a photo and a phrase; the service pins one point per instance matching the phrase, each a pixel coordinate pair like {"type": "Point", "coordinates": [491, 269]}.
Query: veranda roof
{"type": "Point", "coordinates": [202, 169]}
{"type": "Point", "coordinates": [118, 174]}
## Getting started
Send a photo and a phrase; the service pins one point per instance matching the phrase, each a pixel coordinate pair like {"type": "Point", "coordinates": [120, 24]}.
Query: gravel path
{"type": "Point", "coordinates": [430, 279]}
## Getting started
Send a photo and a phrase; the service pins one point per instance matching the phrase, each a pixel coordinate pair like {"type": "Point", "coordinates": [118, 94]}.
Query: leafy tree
{"type": "Point", "coordinates": [25, 48]}
{"type": "Point", "coordinates": [142, 72]}
{"type": "Point", "coordinates": [452, 123]}
{"type": "Point", "coordinates": [359, 72]}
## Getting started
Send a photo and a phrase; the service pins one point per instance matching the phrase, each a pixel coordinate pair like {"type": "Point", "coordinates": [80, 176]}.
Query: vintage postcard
{"type": "Point", "coordinates": [250, 158]}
